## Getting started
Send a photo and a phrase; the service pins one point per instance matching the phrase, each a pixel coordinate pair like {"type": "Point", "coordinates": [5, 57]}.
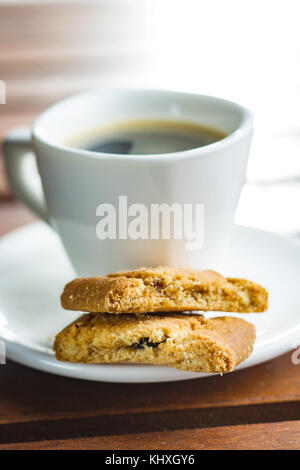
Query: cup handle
{"type": "Point", "coordinates": [24, 180]}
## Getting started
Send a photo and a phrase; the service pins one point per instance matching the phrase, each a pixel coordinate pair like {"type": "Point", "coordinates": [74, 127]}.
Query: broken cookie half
{"type": "Point", "coordinates": [186, 342]}
{"type": "Point", "coordinates": [164, 289]}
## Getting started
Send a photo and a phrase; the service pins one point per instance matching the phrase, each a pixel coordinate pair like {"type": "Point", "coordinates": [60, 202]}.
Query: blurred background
{"type": "Point", "coordinates": [247, 51]}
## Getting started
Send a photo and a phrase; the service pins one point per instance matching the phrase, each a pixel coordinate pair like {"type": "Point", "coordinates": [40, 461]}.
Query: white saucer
{"type": "Point", "coordinates": [34, 269]}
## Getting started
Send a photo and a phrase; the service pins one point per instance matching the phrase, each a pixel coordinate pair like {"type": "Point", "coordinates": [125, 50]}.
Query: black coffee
{"type": "Point", "coordinates": [147, 137]}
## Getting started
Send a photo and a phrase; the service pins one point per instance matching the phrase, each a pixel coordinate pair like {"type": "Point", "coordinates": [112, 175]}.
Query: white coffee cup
{"type": "Point", "coordinates": [75, 182]}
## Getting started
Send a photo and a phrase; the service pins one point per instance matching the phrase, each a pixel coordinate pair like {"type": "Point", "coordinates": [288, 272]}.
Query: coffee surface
{"type": "Point", "coordinates": [147, 137]}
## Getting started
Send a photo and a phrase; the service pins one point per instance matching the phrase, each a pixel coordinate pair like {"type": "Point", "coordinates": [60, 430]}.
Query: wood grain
{"type": "Point", "coordinates": [42, 397]}
{"type": "Point", "coordinates": [275, 436]}
{"type": "Point", "coordinates": [48, 409]}
{"type": "Point", "coordinates": [46, 53]}
{"type": "Point", "coordinates": [106, 425]}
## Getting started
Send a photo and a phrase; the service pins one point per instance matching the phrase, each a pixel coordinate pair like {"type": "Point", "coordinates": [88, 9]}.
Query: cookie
{"type": "Point", "coordinates": [186, 342]}
{"type": "Point", "coordinates": [164, 289]}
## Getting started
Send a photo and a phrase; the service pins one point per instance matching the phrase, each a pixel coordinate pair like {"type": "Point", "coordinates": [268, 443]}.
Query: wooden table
{"type": "Point", "coordinates": [47, 52]}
